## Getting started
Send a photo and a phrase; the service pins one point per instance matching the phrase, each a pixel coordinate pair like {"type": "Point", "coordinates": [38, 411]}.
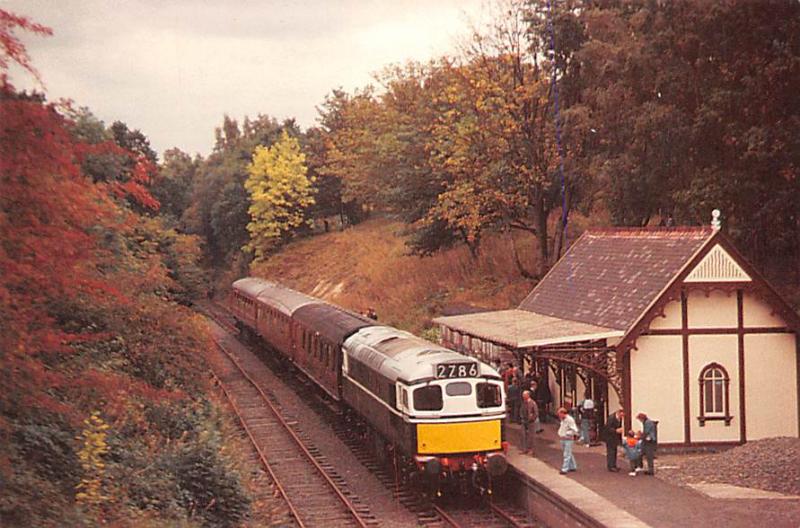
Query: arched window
{"type": "Point", "coordinates": [714, 394]}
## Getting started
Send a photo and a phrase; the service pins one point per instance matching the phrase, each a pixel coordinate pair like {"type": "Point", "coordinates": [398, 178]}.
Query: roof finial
{"type": "Point", "coordinates": [715, 223]}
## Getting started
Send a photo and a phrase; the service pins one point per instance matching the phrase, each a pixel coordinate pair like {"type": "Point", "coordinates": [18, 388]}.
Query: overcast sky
{"type": "Point", "coordinates": [173, 68]}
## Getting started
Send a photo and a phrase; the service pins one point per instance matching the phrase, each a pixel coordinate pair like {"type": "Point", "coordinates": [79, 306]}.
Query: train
{"type": "Point", "coordinates": [438, 414]}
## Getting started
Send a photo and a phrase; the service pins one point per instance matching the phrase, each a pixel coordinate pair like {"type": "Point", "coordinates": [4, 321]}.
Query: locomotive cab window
{"type": "Point", "coordinates": [488, 395]}
{"type": "Point", "coordinates": [428, 398]}
{"type": "Point", "coordinates": [458, 388]}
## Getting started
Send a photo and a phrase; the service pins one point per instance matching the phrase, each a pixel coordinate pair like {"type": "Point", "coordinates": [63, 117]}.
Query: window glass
{"type": "Point", "coordinates": [458, 388]}
{"type": "Point", "coordinates": [428, 398]}
{"type": "Point", "coordinates": [713, 387]}
{"type": "Point", "coordinates": [488, 395]}
{"type": "Point", "coordinates": [709, 396]}
{"type": "Point", "coordinates": [718, 396]}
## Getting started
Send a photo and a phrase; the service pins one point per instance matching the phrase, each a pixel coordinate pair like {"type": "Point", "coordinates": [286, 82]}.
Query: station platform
{"type": "Point", "coordinates": [621, 501]}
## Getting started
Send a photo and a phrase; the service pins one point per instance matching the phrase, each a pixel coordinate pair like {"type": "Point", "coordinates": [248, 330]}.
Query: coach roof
{"type": "Point", "coordinates": [279, 297]}
{"type": "Point", "coordinates": [331, 322]}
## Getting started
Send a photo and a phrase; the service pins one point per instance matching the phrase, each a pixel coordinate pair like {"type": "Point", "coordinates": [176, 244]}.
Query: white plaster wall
{"type": "Point", "coordinates": [722, 349]}
{"type": "Point", "coordinates": [657, 384]}
{"type": "Point", "coordinates": [770, 383]}
{"type": "Point", "coordinates": [671, 319]}
{"type": "Point", "coordinates": [758, 313]}
{"type": "Point", "coordinates": [718, 310]}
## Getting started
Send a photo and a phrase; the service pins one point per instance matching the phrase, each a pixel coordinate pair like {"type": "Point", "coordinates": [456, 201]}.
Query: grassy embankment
{"type": "Point", "coordinates": [369, 266]}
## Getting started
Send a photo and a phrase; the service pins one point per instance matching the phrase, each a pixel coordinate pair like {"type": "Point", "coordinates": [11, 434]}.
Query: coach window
{"type": "Point", "coordinates": [458, 388]}
{"type": "Point", "coordinates": [428, 398]}
{"type": "Point", "coordinates": [488, 395]}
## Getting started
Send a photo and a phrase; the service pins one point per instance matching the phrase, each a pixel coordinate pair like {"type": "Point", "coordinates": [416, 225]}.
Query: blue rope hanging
{"type": "Point", "coordinates": [557, 118]}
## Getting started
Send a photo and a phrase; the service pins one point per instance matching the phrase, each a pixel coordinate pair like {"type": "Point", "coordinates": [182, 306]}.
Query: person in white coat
{"type": "Point", "coordinates": [567, 432]}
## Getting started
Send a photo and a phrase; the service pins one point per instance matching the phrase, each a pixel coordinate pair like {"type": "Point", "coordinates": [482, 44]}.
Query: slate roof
{"type": "Point", "coordinates": [521, 328]}
{"type": "Point", "coordinates": [609, 277]}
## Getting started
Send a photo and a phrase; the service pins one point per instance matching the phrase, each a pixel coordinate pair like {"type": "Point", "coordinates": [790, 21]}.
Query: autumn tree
{"type": "Point", "coordinates": [280, 193]}
{"type": "Point", "coordinates": [327, 187]}
{"type": "Point", "coordinates": [494, 137]}
{"type": "Point", "coordinates": [92, 338]}
{"type": "Point", "coordinates": [351, 134]}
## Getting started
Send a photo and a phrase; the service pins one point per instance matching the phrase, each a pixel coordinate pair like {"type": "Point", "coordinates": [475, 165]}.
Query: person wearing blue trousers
{"type": "Point", "coordinates": [567, 432]}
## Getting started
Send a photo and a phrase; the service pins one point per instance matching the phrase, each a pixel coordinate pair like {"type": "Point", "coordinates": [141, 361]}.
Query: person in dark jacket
{"type": "Point", "coordinates": [534, 390]}
{"type": "Point", "coordinates": [513, 397]}
{"type": "Point", "coordinates": [612, 435]}
{"type": "Point", "coordinates": [528, 413]}
{"type": "Point", "coordinates": [649, 441]}
{"type": "Point", "coordinates": [544, 398]}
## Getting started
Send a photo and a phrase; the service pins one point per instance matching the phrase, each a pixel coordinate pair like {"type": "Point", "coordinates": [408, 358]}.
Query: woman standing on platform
{"type": "Point", "coordinates": [567, 432]}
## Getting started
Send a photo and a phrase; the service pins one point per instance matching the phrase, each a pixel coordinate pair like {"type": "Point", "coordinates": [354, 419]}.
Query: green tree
{"type": "Point", "coordinates": [280, 192]}
{"type": "Point", "coordinates": [696, 106]}
{"type": "Point", "coordinates": [173, 185]}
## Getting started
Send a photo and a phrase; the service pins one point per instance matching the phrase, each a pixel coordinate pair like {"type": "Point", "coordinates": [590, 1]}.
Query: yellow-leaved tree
{"type": "Point", "coordinates": [280, 192]}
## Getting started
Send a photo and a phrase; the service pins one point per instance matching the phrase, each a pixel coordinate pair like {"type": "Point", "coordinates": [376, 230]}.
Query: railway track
{"type": "Point", "coordinates": [498, 513]}
{"type": "Point", "coordinates": [314, 493]}
{"type": "Point", "coordinates": [487, 515]}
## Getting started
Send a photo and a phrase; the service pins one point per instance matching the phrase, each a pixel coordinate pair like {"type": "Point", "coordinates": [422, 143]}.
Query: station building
{"type": "Point", "coordinates": [670, 321]}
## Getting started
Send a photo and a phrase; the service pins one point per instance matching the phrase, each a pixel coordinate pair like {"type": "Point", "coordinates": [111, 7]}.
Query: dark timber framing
{"type": "Point", "coordinates": [720, 331]}
{"type": "Point", "coordinates": [742, 403]}
{"type": "Point", "coordinates": [679, 291]}
{"type": "Point", "coordinates": [626, 384]}
{"type": "Point", "coordinates": [687, 427]}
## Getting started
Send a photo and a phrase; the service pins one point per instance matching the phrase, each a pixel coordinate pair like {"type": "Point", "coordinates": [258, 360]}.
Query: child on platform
{"type": "Point", "coordinates": [632, 446]}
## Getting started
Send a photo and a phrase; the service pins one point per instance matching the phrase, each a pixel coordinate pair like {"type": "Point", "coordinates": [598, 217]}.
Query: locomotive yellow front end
{"type": "Point", "coordinates": [459, 437]}
{"type": "Point", "coordinates": [458, 417]}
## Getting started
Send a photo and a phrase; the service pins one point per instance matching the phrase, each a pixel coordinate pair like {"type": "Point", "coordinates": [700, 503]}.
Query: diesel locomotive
{"type": "Point", "coordinates": [440, 414]}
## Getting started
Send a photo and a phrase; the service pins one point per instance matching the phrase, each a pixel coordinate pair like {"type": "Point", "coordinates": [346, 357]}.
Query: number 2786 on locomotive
{"type": "Point", "coordinates": [456, 370]}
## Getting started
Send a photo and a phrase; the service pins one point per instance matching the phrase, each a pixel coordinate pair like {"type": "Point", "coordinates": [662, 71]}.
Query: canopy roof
{"type": "Point", "coordinates": [522, 328]}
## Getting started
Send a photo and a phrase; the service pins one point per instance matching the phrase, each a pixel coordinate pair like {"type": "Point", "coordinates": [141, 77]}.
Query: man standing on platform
{"type": "Point", "coordinates": [528, 414]}
{"type": "Point", "coordinates": [649, 442]}
{"type": "Point", "coordinates": [613, 438]}
{"type": "Point", "coordinates": [586, 411]}
{"type": "Point", "coordinates": [567, 432]}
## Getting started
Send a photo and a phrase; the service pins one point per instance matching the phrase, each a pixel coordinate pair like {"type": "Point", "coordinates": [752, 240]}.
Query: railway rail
{"type": "Point", "coordinates": [428, 513]}
{"type": "Point", "coordinates": [492, 515]}
{"type": "Point", "coordinates": [314, 496]}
